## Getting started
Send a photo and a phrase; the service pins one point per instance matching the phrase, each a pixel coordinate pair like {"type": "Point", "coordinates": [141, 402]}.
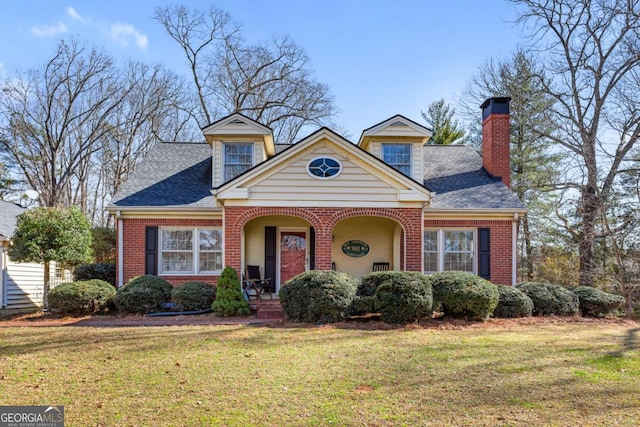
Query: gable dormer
{"type": "Point", "coordinates": [238, 143]}
{"type": "Point", "coordinates": [398, 142]}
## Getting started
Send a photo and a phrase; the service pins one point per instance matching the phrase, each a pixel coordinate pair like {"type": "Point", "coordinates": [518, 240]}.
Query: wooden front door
{"type": "Point", "coordinates": [293, 254]}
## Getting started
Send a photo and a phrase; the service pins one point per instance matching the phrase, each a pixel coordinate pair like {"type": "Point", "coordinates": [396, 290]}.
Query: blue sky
{"type": "Point", "coordinates": [380, 58]}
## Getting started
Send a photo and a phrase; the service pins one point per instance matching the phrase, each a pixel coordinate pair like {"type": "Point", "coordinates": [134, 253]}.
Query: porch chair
{"type": "Point", "coordinates": [380, 266]}
{"type": "Point", "coordinates": [255, 282]}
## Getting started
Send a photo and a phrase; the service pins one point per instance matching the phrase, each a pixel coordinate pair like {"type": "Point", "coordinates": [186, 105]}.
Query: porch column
{"type": "Point", "coordinates": [323, 249]}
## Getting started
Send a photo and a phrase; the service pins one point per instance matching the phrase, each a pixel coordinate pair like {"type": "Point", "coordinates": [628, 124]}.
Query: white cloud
{"type": "Point", "coordinates": [75, 15]}
{"type": "Point", "coordinates": [49, 30]}
{"type": "Point", "coordinates": [122, 33]}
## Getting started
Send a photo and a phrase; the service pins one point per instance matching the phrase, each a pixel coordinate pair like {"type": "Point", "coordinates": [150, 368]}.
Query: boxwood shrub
{"type": "Point", "coordinates": [403, 297]}
{"type": "Point", "coordinates": [549, 299]}
{"type": "Point", "coordinates": [364, 301]}
{"type": "Point", "coordinates": [318, 296]}
{"type": "Point", "coordinates": [513, 303]}
{"type": "Point", "coordinates": [143, 294]}
{"type": "Point", "coordinates": [464, 295]}
{"type": "Point", "coordinates": [81, 298]}
{"type": "Point", "coordinates": [104, 271]}
{"type": "Point", "coordinates": [595, 302]}
{"type": "Point", "coordinates": [194, 295]}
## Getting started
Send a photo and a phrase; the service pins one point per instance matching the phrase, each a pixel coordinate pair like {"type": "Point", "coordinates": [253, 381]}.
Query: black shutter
{"type": "Point", "coordinates": [270, 246]}
{"type": "Point", "coordinates": [312, 248]}
{"type": "Point", "coordinates": [151, 250]}
{"type": "Point", "coordinates": [484, 253]}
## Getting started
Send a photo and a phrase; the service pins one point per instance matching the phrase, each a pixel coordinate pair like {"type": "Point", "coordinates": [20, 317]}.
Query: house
{"type": "Point", "coordinates": [21, 284]}
{"type": "Point", "coordinates": [240, 199]}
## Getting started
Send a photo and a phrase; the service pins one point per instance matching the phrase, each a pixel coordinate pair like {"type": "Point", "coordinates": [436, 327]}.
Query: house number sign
{"type": "Point", "coordinates": [355, 248]}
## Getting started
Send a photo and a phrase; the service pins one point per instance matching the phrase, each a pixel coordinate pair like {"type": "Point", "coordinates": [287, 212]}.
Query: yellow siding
{"type": "Point", "coordinates": [354, 183]}
{"type": "Point", "coordinates": [259, 156]}
{"type": "Point", "coordinates": [417, 160]}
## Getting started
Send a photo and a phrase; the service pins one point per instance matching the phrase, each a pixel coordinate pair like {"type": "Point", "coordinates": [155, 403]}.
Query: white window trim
{"type": "Point", "coordinates": [195, 251]}
{"type": "Point", "coordinates": [382, 145]}
{"type": "Point", "coordinates": [224, 158]}
{"type": "Point", "coordinates": [324, 178]}
{"type": "Point", "coordinates": [441, 251]}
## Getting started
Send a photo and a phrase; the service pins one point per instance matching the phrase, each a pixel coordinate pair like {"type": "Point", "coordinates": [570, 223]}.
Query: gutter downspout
{"type": "Point", "coordinates": [514, 249]}
{"type": "Point", "coordinates": [120, 249]}
{"type": "Point", "coordinates": [3, 277]}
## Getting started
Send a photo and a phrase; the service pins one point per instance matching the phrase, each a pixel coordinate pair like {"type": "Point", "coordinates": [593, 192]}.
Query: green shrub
{"type": "Point", "coordinates": [194, 295]}
{"type": "Point", "coordinates": [550, 299]}
{"type": "Point", "coordinates": [104, 271]}
{"type": "Point", "coordinates": [594, 302]}
{"type": "Point", "coordinates": [229, 300]}
{"type": "Point", "coordinates": [143, 294]}
{"type": "Point", "coordinates": [403, 297]}
{"type": "Point", "coordinates": [464, 294]}
{"type": "Point", "coordinates": [513, 303]}
{"type": "Point", "coordinates": [81, 298]}
{"type": "Point", "coordinates": [318, 296]}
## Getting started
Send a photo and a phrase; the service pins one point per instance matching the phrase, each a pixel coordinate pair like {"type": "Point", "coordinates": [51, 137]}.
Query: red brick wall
{"type": "Point", "coordinates": [495, 147]}
{"type": "Point", "coordinates": [134, 250]}
{"type": "Point", "coordinates": [500, 244]}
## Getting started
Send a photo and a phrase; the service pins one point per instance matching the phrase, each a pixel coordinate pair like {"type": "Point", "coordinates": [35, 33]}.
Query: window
{"type": "Point", "coordinates": [398, 156]}
{"type": "Point", "coordinates": [324, 167]}
{"type": "Point", "coordinates": [190, 251]}
{"type": "Point", "coordinates": [449, 250]}
{"type": "Point", "coordinates": [237, 159]}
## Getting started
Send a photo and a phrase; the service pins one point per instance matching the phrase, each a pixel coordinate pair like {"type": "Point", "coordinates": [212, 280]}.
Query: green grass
{"type": "Point", "coordinates": [533, 375]}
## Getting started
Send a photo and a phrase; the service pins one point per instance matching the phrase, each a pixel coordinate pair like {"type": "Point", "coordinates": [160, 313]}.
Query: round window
{"type": "Point", "coordinates": [324, 167]}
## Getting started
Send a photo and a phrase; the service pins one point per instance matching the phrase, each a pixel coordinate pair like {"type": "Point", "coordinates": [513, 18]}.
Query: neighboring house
{"type": "Point", "coordinates": [21, 284]}
{"type": "Point", "coordinates": [239, 199]}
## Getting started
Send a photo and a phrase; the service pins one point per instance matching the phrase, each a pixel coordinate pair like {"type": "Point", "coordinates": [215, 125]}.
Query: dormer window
{"type": "Point", "coordinates": [238, 157]}
{"type": "Point", "coordinates": [398, 156]}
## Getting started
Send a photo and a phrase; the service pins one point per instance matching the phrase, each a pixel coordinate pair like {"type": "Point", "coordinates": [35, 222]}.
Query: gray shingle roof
{"type": "Point", "coordinates": [179, 175]}
{"type": "Point", "coordinates": [8, 218]}
{"type": "Point", "coordinates": [455, 174]}
{"type": "Point", "coordinates": [172, 175]}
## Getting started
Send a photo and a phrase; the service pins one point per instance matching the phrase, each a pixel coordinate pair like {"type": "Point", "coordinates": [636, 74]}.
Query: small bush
{"type": "Point", "coordinates": [513, 303]}
{"type": "Point", "coordinates": [143, 294]}
{"type": "Point", "coordinates": [318, 296]}
{"type": "Point", "coordinates": [550, 299]}
{"type": "Point", "coordinates": [594, 302]}
{"type": "Point", "coordinates": [104, 271]}
{"type": "Point", "coordinates": [229, 300]}
{"type": "Point", "coordinates": [81, 298]}
{"type": "Point", "coordinates": [464, 294]}
{"type": "Point", "coordinates": [404, 297]}
{"type": "Point", "coordinates": [194, 295]}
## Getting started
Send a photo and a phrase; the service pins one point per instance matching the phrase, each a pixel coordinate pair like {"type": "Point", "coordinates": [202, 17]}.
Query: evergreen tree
{"type": "Point", "coordinates": [440, 118]}
{"type": "Point", "coordinates": [229, 299]}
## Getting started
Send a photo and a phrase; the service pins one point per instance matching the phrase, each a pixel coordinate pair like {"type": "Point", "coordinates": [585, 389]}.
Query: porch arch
{"type": "Point", "coordinates": [242, 219]}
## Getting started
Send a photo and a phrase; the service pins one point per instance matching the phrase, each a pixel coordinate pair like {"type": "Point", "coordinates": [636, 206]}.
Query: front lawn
{"type": "Point", "coordinates": [540, 374]}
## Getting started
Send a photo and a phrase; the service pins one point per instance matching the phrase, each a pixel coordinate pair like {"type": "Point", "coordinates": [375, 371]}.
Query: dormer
{"type": "Point", "coordinates": [238, 143]}
{"type": "Point", "coordinates": [398, 142]}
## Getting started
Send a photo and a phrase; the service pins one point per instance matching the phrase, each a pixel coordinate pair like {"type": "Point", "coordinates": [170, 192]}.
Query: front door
{"type": "Point", "coordinates": [293, 254]}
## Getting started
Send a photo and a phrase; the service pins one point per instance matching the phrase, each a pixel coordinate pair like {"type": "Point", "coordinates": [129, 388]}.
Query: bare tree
{"type": "Point", "coordinates": [592, 50]}
{"type": "Point", "coordinates": [271, 82]}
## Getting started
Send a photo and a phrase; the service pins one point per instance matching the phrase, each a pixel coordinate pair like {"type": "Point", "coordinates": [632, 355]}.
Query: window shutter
{"type": "Point", "coordinates": [270, 246]}
{"type": "Point", "coordinates": [484, 253]}
{"type": "Point", "coordinates": [312, 248]}
{"type": "Point", "coordinates": [151, 250]}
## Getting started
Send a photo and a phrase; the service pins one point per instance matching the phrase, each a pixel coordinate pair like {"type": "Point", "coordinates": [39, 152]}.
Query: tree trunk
{"type": "Point", "coordinates": [587, 235]}
{"type": "Point", "coordinates": [528, 247]}
{"type": "Point", "coordinates": [47, 280]}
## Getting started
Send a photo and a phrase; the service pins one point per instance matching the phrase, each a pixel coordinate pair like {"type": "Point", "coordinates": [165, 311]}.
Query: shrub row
{"type": "Point", "coordinates": [81, 297]}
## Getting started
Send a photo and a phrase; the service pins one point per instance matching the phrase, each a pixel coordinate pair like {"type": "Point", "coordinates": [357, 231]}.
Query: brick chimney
{"type": "Point", "coordinates": [496, 157]}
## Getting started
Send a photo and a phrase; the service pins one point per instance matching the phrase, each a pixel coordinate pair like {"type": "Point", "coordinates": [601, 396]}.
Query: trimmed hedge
{"type": "Point", "coordinates": [104, 271]}
{"type": "Point", "coordinates": [464, 295]}
{"type": "Point", "coordinates": [229, 300]}
{"type": "Point", "coordinates": [193, 296]}
{"type": "Point", "coordinates": [595, 302]}
{"type": "Point", "coordinates": [404, 297]}
{"type": "Point", "coordinates": [513, 303]}
{"type": "Point", "coordinates": [318, 296]}
{"type": "Point", "coordinates": [81, 297]}
{"type": "Point", "coordinates": [143, 294]}
{"type": "Point", "coordinates": [550, 299]}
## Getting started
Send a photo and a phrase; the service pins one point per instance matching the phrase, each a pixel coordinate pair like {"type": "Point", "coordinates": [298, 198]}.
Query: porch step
{"type": "Point", "coordinates": [268, 309]}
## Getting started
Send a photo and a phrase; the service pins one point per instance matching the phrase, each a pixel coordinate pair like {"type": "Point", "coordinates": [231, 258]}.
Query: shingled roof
{"type": "Point", "coordinates": [172, 175]}
{"type": "Point", "coordinates": [456, 175]}
{"type": "Point", "coordinates": [8, 218]}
